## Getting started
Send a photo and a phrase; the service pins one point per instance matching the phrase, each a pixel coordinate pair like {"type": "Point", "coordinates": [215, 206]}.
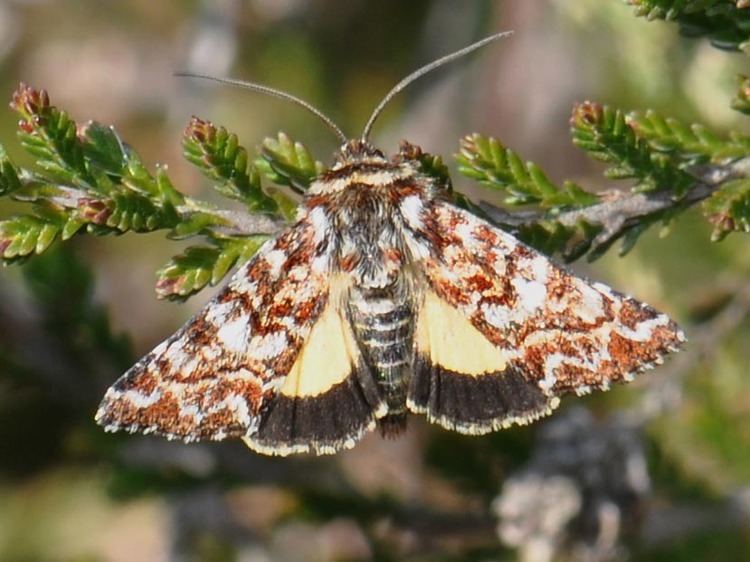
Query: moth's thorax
{"type": "Point", "coordinates": [363, 203]}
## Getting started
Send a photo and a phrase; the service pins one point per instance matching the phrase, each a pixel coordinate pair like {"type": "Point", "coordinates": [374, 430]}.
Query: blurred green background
{"type": "Point", "coordinates": [73, 320]}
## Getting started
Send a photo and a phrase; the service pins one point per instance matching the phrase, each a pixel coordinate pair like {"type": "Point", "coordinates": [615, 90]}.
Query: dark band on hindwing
{"type": "Point", "coordinates": [475, 404]}
{"type": "Point", "coordinates": [323, 424]}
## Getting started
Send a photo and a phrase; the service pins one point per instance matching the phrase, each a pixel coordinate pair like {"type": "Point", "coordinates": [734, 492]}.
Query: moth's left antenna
{"type": "Point", "coordinates": [424, 70]}
{"type": "Point", "coordinates": [275, 93]}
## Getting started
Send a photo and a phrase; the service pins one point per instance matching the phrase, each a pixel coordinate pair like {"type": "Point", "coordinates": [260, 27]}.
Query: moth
{"type": "Point", "coordinates": [384, 299]}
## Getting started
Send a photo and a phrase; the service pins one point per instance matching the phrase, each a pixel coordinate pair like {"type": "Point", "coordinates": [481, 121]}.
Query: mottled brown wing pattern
{"type": "Point", "coordinates": [218, 373]}
{"type": "Point", "coordinates": [553, 332]}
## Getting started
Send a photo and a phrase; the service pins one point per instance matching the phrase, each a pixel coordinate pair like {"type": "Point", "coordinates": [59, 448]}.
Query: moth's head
{"type": "Point", "coordinates": [355, 151]}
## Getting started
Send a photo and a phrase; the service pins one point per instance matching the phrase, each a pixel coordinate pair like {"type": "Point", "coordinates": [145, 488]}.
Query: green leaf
{"type": "Point", "coordinates": [70, 228]}
{"type": "Point", "coordinates": [25, 235]}
{"type": "Point", "coordinates": [687, 144]}
{"type": "Point", "coordinates": [431, 165]}
{"type": "Point", "coordinates": [725, 22]}
{"type": "Point", "coordinates": [136, 176]}
{"type": "Point", "coordinates": [199, 266]}
{"type": "Point", "coordinates": [167, 192]}
{"type": "Point", "coordinates": [631, 237]}
{"type": "Point", "coordinates": [607, 135]}
{"type": "Point", "coordinates": [287, 205]}
{"type": "Point", "coordinates": [728, 209]}
{"type": "Point", "coordinates": [288, 163]}
{"type": "Point", "coordinates": [741, 100]}
{"type": "Point", "coordinates": [9, 181]}
{"type": "Point", "coordinates": [486, 160]}
{"type": "Point", "coordinates": [51, 136]}
{"type": "Point", "coordinates": [103, 148]}
{"type": "Point", "coordinates": [217, 153]}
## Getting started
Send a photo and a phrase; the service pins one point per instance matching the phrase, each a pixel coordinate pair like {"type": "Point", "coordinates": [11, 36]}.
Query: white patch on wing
{"type": "Point", "coordinates": [506, 242]}
{"type": "Point", "coordinates": [497, 316]}
{"type": "Point", "coordinates": [245, 375]}
{"type": "Point", "coordinates": [465, 231]}
{"type": "Point", "coordinates": [320, 224]}
{"type": "Point", "coordinates": [176, 353]}
{"type": "Point", "coordinates": [211, 353]}
{"type": "Point", "coordinates": [591, 307]}
{"type": "Point", "coordinates": [217, 313]}
{"type": "Point", "coordinates": [275, 259]}
{"type": "Point", "coordinates": [548, 381]}
{"type": "Point", "coordinates": [188, 367]}
{"type": "Point", "coordinates": [139, 400]}
{"type": "Point", "coordinates": [540, 269]}
{"type": "Point", "coordinates": [268, 346]}
{"type": "Point", "coordinates": [643, 330]}
{"type": "Point", "coordinates": [531, 294]}
{"type": "Point", "coordinates": [555, 360]}
{"type": "Point", "coordinates": [551, 363]}
{"type": "Point", "coordinates": [238, 405]}
{"type": "Point", "coordinates": [241, 284]}
{"type": "Point", "coordinates": [411, 209]}
{"type": "Point", "coordinates": [192, 411]}
{"type": "Point", "coordinates": [233, 335]}
{"type": "Point", "coordinates": [607, 290]}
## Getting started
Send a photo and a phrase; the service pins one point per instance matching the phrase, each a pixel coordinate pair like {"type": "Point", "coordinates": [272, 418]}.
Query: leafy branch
{"type": "Point", "coordinates": [725, 22]}
{"type": "Point", "coordinates": [88, 180]}
{"type": "Point", "coordinates": [499, 168]}
{"type": "Point", "coordinates": [199, 266]}
{"type": "Point", "coordinates": [671, 165]}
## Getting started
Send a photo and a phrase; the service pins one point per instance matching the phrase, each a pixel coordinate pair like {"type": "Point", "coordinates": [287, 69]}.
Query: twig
{"type": "Point", "coordinates": [621, 211]}
{"type": "Point", "coordinates": [240, 223]}
{"type": "Point", "coordinates": [233, 223]}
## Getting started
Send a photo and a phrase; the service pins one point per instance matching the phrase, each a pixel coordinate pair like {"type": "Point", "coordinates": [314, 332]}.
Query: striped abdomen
{"type": "Point", "coordinates": [383, 324]}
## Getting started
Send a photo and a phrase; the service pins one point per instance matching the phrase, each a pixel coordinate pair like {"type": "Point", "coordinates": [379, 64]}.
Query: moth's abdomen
{"type": "Point", "coordinates": [384, 327]}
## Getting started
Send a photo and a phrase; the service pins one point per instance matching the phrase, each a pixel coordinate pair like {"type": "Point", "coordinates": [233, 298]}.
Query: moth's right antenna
{"type": "Point", "coordinates": [424, 70]}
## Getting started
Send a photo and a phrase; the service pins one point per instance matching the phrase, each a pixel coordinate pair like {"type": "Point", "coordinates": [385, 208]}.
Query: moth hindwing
{"type": "Point", "coordinates": [383, 299]}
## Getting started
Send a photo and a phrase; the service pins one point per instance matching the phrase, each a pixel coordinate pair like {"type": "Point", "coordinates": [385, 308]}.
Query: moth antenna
{"type": "Point", "coordinates": [424, 70]}
{"type": "Point", "coordinates": [274, 93]}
